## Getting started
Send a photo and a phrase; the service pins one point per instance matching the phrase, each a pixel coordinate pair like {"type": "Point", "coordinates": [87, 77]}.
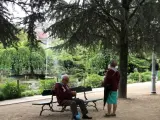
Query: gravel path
{"type": "Point", "coordinates": [140, 105]}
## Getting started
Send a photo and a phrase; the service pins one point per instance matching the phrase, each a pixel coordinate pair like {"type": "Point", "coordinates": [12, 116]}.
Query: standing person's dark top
{"type": "Point", "coordinates": [112, 77]}
{"type": "Point", "coordinates": [111, 83]}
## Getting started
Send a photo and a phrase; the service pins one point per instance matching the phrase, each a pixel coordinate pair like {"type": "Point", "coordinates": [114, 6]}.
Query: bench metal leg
{"type": "Point", "coordinates": [63, 108]}
{"type": "Point", "coordinates": [95, 105]}
{"type": "Point", "coordinates": [50, 108]}
{"type": "Point", "coordinates": [42, 110]}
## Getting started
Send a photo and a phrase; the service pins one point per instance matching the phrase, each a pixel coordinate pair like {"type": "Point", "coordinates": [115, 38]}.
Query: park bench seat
{"type": "Point", "coordinates": [51, 102]}
{"type": "Point", "coordinates": [93, 100]}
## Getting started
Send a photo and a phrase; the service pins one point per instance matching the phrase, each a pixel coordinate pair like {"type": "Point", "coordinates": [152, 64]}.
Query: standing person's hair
{"type": "Point", "coordinates": [113, 63]}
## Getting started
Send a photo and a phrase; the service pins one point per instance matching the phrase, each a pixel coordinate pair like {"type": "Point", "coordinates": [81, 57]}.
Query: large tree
{"type": "Point", "coordinates": [92, 21]}
{"type": "Point", "coordinates": [116, 24]}
{"type": "Point", "coordinates": [8, 30]}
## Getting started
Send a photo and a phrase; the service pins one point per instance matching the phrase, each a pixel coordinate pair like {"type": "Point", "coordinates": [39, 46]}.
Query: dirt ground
{"type": "Point", "coordinates": [140, 105]}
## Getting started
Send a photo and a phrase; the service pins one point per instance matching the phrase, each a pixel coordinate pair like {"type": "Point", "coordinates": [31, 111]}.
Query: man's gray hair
{"type": "Point", "coordinates": [63, 76]}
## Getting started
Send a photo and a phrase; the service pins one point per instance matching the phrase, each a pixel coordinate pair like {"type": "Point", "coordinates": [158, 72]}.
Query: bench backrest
{"type": "Point", "coordinates": [81, 89]}
{"type": "Point", "coordinates": [77, 89]}
{"type": "Point", "coordinates": [48, 92]}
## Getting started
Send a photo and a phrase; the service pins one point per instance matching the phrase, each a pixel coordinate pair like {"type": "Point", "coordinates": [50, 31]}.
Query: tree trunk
{"type": "Point", "coordinates": [32, 70]}
{"type": "Point", "coordinates": [124, 50]}
{"type": "Point", "coordinates": [123, 69]}
{"type": "Point", "coordinates": [31, 66]}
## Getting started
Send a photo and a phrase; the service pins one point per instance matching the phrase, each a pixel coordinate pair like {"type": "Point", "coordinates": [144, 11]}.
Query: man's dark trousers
{"type": "Point", "coordinates": [73, 104]}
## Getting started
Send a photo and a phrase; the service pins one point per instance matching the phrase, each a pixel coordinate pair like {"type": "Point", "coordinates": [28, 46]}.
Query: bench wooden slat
{"type": "Point", "coordinates": [42, 103]}
{"type": "Point", "coordinates": [93, 100]}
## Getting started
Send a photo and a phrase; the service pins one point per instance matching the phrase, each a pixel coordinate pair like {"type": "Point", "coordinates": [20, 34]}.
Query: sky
{"type": "Point", "coordinates": [18, 12]}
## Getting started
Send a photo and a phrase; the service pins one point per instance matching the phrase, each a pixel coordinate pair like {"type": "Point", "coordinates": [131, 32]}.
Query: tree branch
{"type": "Point", "coordinates": [106, 13]}
{"type": "Point", "coordinates": [135, 10]}
{"type": "Point", "coordinates": [109, 22]}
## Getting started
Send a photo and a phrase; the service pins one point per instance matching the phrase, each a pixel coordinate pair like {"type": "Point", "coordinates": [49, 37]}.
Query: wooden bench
{"type": "Point", "coordinates": [47, 103]}
{"type": "Point", "coordinates": [51, 102]}
{"type": "Point", "coordinates": [84, 90]}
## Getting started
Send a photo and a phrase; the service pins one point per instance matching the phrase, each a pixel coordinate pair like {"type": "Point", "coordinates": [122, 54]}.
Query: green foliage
{"type": "Point", "coordinates": [100, 59]}
{"type": "Point", "coordinates": [27, 93]}
{"type": "Point", "coordinates": [146, 76]}
{"type": "Point", "coordinates": [23, 87]}
{"type": "Point", "coordinates": [10, 90]}
{"type": "Point", "coordinates": [37, 92]}
{"type": "Point", "coordinates": [93, 80]}
{"type": "Point", "coordinates": [37, 60]}
{"type": "Point", "coordinates": [1, 86]}
{"type": "Point", "coordinates": [158, 74]}
{"type": "Point", "coordinates": [139, 77]}
{"type": "Point", "coordinates": [134, 76]}
{"type": "Point", "coordinates": [2, 97]}
{"type": "Point", "coordinates": [130, 81]}
{"type": "Point", "coordinates": [8, 29]}
{"type": "Point", "coordinates": [1, 93]}
{"type": "Point", "coordinates": [73, 81]}
{"type": "Point", "coordinates": [19, 59]}
{"type": "Point", "coordinates": [80, 76]}
{"type": "Point", "coordinates": [141, 64]}
{"type": "Point", "coordinates": [47, 84]}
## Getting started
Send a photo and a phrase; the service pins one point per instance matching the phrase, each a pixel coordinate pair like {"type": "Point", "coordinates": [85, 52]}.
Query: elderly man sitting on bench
{"type": "Point", "coordinates": [64, 97]}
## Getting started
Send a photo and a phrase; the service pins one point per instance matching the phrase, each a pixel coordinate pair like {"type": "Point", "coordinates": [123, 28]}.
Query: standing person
{"type": "Point", "coordinates": [64, 97]}
{"type": "Point", "coordinates": [111, 82]}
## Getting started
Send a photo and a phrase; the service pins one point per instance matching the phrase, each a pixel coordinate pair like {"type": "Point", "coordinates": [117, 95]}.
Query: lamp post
{"type": "Point", "coordinates": [153, 77]}
{"type": "Point", "coordinates": [46, 56]}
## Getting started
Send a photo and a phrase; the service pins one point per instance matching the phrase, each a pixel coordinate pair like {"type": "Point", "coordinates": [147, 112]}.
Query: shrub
{"type": "Point", "coordinates": [10, 90]}
{"type": "Point", "coordinates": [141, 64]}
{"type": "Point", "coordinates": [158, 75]}
{"type": "Point", "coordinates": [75, 71]}
{"type": "Point", "coordinates": [37, 92]}
{"type": "Point", "coordinates": [139, 77]}
{"type": "Point", "coordinates": [1, 86]}
{"type": "Point", "coordinates": [73, 81]}
{"type": "Point", "coordinates": [23, 87]}
{"type": "Point", "coordinates": [146, 76]}
{"type": "Point", "coordinates": [27, 93]}
{"type": "Point", "coordinates": [1, 93]}
{"type": "Point", "coordinates": [1, 96]}
{"type": "Point", "coordinates": [79, 75]}
{"type": "Point", "coordinates": [93, 80]}
{"type": "Point", "coordinates": [129, 81]}
{"type": "Point", "coordinates": [47, 84]}
{"type": "Point", "coordinates": [134, 76]}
